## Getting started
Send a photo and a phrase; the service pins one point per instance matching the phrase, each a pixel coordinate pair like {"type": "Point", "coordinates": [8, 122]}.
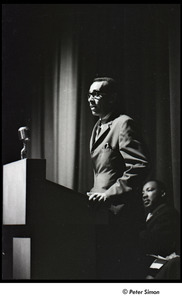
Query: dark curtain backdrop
{"type": "Point", "coordinates": [51, 53]}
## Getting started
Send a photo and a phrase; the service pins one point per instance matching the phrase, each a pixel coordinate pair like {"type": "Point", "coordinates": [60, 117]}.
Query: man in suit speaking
{"type": "Point", "coordinates": [120, 166]}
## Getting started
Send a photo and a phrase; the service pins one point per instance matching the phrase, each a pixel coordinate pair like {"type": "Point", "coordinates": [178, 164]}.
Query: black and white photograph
{"type": "Point", "coordinates": [91, 146]}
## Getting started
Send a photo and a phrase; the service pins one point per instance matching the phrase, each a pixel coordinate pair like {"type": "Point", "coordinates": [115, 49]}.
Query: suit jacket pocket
{"type": "Point", "coordinates": [107, 147]}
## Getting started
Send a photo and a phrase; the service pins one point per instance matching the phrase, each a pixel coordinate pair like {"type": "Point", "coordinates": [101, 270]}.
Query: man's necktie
{"type": "Point", "coordinates": [98, 130]}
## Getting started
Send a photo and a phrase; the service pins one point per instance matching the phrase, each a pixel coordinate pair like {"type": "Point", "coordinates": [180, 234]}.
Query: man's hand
{"type": "Point", "coordinates": [97, 197]}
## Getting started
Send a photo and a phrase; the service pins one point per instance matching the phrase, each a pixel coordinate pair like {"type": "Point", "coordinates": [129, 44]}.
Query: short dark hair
{"type": "Point", "coordinates": [110, 86]}
{"type": "Point", "coordinates": [160, 184]}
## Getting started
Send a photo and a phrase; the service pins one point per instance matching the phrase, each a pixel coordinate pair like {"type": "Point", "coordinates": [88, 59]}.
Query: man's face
{"type": "Point", "coordinates": [98, 100]}
{"type": "Point", "coordinates": [151, 194]}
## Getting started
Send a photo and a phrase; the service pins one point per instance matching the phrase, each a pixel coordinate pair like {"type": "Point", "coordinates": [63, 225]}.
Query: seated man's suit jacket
{"type": "Point", "coordinates": [161, 236]}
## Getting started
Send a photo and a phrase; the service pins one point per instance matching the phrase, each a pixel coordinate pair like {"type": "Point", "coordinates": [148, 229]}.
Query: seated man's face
{"type": "Point", "coordinates": [151, 194]}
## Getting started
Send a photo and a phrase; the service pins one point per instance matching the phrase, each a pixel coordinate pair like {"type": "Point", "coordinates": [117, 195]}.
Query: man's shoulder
{"type": "Point", "coordinates": [123, 118]}
{"type": "Point", "coordinates": [165, 209]}
{"type": "Point", "coordinates": [123, 121]}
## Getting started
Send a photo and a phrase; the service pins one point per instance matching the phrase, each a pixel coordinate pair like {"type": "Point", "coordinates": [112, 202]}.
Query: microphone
{"type": "Point", "coordinates": [24, 136]}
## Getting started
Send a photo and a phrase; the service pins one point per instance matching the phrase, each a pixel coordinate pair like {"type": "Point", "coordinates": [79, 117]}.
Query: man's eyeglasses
{"type": "Point", "coordinates": [96, 94]}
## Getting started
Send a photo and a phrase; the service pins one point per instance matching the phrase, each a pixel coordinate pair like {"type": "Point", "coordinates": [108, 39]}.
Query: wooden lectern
{"type": "Point", "coordinates": [49, 231]}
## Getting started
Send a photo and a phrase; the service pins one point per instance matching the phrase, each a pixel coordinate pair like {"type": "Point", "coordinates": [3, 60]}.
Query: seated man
{"type": "Point", "coordinates": [161, 235]}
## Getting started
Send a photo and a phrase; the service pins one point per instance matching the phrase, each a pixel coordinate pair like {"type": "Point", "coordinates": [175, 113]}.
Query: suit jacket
{"type": "Point", "coordinates": [119, 163]}
{"type": "Point", "coordinates": [161, 236]}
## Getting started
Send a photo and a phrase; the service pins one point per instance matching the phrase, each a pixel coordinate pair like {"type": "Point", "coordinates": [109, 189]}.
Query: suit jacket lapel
{"type": "Point", "coordinates": [156, 212]}
{"type": "Point", "coordinates": [92, 139]}
{"type": "Point", "coordinates": [94, 144]}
